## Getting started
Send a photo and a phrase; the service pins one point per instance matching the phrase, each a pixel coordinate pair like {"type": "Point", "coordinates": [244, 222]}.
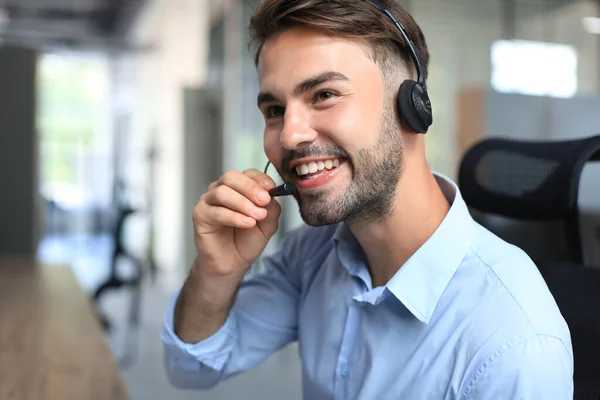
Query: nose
{"type": "Point", "coordinates": [296, 131]}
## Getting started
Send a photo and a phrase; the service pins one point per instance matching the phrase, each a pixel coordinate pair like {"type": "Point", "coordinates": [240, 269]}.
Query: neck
{"type": "Point", "coordinates": [419, 208]}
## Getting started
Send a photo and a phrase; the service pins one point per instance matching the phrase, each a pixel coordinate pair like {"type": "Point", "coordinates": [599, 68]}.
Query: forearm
{"type": "Point", "coordinates": [204, 304]}
{"type": "Point", "coordinates": [225, 326]}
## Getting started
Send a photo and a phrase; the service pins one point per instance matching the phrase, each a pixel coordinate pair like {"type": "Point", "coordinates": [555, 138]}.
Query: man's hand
{"type": "Point", "coordinates": [234, 221]}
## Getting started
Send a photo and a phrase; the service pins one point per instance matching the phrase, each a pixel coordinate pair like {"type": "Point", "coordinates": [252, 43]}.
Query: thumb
{"type": "Point", "coordinates": [270, 224]}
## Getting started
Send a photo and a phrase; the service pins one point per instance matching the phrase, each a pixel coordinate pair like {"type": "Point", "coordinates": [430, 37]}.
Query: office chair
{"type": "Point", "coordinates": [115, 281]}
{"type": "Point", "coordinates": [526, 192]}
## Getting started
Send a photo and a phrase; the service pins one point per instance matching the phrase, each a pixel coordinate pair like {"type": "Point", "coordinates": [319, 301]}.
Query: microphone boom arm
{"type": "Point", "coordinates": [286, 189]}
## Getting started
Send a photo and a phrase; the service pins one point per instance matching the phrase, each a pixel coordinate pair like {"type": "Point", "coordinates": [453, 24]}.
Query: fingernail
{"type": "Point", "coordinates": [258, 212]}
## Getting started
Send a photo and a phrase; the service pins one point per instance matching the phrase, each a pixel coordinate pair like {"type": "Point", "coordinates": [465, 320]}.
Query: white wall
{"type": "Point", "coordinates": [179, 31]}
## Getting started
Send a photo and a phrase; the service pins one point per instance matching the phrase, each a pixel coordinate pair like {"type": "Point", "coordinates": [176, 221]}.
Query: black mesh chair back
{"type": "Point", "coordinates": [527, 193]}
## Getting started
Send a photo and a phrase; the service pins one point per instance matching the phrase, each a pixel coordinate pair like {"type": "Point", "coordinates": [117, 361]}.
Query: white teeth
{"type": "Point", "coordinates": [313, 166]}
{"type": "Point", "coordinates": [302, 169]}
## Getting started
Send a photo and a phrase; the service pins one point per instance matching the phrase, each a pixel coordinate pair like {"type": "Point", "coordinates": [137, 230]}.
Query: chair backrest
{"type": "Point", "coordinates": [527, 192]}
{"type": "Point", "coordinates": [577, 293]}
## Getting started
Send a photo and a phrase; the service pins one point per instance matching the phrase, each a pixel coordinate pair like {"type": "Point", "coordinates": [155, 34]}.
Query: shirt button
{"type": "Point", "coordinates": [344, 370]}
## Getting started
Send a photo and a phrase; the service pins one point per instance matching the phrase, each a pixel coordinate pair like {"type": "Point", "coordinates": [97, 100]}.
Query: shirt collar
{"type": "Point", "coordinates": [350, 253]}
{"type": "Point", "coordinates": [420, 282]}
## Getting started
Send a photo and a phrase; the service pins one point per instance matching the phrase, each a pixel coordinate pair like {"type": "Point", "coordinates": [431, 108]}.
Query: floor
{"type": "Point", "coordinates": [139, 352]}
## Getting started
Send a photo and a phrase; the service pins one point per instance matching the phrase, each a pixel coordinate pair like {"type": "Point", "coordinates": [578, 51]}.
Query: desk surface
{"type": "Point", "coordinates": [51, 345]}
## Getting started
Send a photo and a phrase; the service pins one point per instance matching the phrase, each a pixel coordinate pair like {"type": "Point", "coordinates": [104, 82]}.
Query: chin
{"type": "Point", "coordinates": [318, 220]}
{"type": "Point", "coordinates": [320, 208]}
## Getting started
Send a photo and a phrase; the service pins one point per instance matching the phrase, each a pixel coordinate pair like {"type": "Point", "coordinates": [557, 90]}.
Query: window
{"type": "Point", "coordinates": [534, 68]}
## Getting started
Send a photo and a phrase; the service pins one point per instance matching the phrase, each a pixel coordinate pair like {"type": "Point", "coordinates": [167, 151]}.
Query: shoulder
{"type": "Point", "coordinates": [515, 324]}
{"type": "Point", "coordinates": [519, 283]}
{"type": "Point", "coordinates": [539, 366]}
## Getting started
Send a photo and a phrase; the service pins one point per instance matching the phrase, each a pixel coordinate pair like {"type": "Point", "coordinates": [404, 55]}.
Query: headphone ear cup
{"type": "Point", "coordinates": [415, 107]}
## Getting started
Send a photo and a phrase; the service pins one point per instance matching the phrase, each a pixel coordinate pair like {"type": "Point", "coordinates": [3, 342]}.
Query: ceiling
{"type": "Point", "coordinates": [68, 23]}
{"type": "Point", "coordinates": [103, 23]}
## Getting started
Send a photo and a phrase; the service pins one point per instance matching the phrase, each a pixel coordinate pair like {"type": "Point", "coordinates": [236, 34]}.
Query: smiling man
{"type": "Point", "coordinates": [391, 289]}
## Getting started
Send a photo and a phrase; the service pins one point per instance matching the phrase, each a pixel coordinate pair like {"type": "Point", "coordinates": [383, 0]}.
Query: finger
{"type": "Point", "coordinates": [221, 216]}
{"type": "Point", "coordinates": [213, 185]}
{"type": "Point", "coordinates": [225, 196]}
{"type": "Point", "coordinates": [246, 186]}
{"type": "Point", "coordinates": [263, 179]}
{"type": "Point", "coordinates": [270, 223]}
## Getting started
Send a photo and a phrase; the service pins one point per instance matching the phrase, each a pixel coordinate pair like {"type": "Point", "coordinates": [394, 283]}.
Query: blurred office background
{"type": "Point", "coordinates": [116, 115]}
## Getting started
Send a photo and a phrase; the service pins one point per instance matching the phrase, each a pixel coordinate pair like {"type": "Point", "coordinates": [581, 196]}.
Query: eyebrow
{"type": "Point", "coordinates": [304, 86]}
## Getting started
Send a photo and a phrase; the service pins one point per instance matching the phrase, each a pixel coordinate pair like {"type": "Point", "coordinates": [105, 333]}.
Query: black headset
{"type": "Point", "coordinates": [413, 100]}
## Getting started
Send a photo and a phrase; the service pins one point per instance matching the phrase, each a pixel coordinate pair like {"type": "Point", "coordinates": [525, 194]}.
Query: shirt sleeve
{"type": "Point", "coordinates": [540, 367]}
{"type": "Point", "coordinates": [262, 320]}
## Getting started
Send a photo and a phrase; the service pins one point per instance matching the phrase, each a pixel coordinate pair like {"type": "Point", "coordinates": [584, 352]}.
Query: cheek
{"type": "Point", "coordinates": [351, 127]}
{"type": "Point", "coordinates": [272, 147]}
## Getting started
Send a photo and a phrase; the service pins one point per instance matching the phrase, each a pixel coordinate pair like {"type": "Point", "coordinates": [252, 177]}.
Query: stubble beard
{"type": "Point", "coordinates": [369, 197]}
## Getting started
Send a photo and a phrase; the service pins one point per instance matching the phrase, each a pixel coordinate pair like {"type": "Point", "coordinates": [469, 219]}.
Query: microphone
{"type": "Point", "coordinates": [286, 189]}
{"type": "Point", "coordinates": [282, 190]}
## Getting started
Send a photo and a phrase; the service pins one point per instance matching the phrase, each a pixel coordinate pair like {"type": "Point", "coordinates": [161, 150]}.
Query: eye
{"type": "Point", "coordinates": [325, 95]}
{"type": "Point", "coordinates": [274, 112]}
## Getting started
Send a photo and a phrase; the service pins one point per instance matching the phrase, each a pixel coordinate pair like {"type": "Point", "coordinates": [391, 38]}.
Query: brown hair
{"type": "Point", "coordinates": [354, 19]}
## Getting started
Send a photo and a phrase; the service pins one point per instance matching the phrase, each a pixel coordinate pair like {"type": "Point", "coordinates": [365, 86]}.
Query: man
{"type": "Point", "coordinates": [391, 289]}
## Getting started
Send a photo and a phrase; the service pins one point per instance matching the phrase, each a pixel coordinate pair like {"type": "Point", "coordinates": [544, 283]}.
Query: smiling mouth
{"type": "Point", "coordinates": [315, 169]}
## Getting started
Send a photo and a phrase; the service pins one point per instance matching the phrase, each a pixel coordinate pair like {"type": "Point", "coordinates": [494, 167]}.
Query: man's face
{"type": "Point", "coordinates": [331, 127]}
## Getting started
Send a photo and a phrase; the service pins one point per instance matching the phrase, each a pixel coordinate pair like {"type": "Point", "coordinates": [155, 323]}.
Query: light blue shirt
{"type": "Point", "coordinates": [468, 316]}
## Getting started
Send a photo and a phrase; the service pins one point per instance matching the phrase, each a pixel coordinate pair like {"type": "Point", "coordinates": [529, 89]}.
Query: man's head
{"type": "Point", "coordinates": [329, 74]}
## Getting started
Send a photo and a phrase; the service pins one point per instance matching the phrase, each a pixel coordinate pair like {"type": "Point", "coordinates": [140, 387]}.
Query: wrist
{"type": "Point", "coordinates": [215, 271]}
{"type": "Point", "coordinates": [215, 289]}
